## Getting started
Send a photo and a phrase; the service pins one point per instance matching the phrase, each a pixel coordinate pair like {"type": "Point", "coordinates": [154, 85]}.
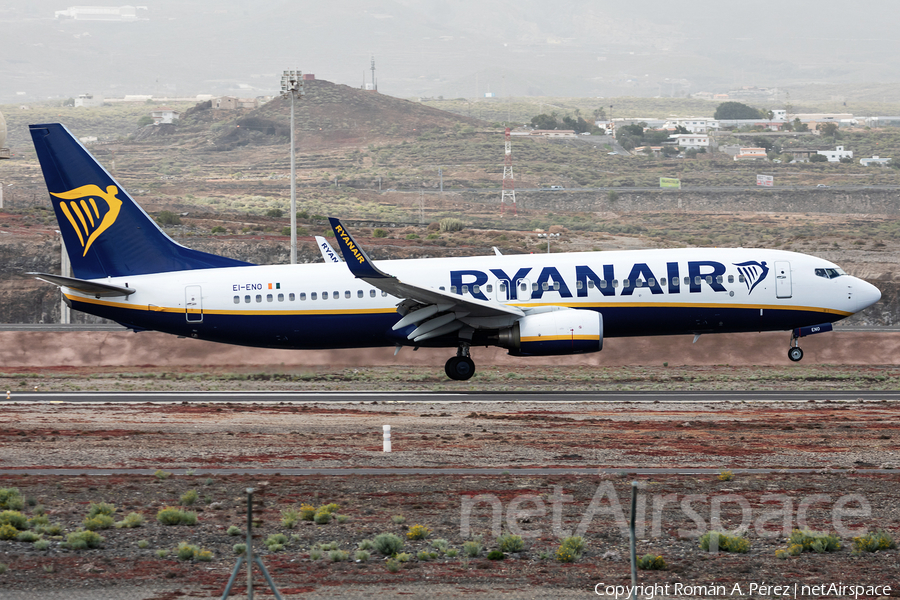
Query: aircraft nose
{"type": "Point", "coordinates": [865, 294]}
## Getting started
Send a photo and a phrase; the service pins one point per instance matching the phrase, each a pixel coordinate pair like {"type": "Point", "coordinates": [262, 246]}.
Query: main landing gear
{"type": "Point", "coordinates": [795, 352]}
{"type": "Point", "coordinates": [460, 367]}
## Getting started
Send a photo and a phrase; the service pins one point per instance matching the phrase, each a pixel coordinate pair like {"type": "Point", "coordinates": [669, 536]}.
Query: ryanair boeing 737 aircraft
{"type": "Point", "coordinates": [128, 270]}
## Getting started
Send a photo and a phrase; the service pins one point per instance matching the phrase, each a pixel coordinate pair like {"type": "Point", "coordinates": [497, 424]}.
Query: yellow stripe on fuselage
{"type": "Point", "coordinates": [180, 310]}
{"type": "Point", "coordinates": [352, 311]}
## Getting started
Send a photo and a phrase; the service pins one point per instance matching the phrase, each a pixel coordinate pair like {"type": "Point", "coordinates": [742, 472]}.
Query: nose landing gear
{"type": "Point", "coordinates": [461, 367]}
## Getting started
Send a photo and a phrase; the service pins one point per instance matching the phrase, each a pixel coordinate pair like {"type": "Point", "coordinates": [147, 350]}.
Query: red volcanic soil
{"type": "Point", "coordinates": [848, 446]}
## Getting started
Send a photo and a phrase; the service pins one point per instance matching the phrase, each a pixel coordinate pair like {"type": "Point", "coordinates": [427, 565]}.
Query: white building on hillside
{"type": "Point", "coordinates": [164, 115]}
{"type": "Point", "coordinates": [88, 100]}
{"type": "Point", "coordinates": [687, 141]}
{"type": "Point", "coordinates": [875, 160]}
{"type": "Point", "coordinates": [751, 154]}
{"type": "Point", "coordinates": [837, 154]}
{"type": "Point", "coordinates": [693, 124]}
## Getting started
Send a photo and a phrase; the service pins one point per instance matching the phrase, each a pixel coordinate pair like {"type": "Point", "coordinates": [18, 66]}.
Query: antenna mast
{"type": "Point", "coordinates": [509, 181]}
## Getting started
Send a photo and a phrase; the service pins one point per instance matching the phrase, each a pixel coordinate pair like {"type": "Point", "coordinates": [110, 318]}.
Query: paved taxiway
{"type": "Point", "coordinates": [460, 397]}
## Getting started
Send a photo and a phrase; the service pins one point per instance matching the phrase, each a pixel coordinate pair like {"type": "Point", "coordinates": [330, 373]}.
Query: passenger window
{"type": "Point", "coordinates": [545, 286]}
{"type": "Point", "coordinates": [476, 289]}
{"type": "Point", "coordinates": [556, 285]}
{"type": "Point", "coordinates": [465, 289]}
{"type": "Point", "coordinates": [626, 283]}
{"type": "Point", "coordinates": [696, 280]}
{"type": "Point", "coordinates": [741, 277]}
{"type": "Point", "coordinates": [490, 289]}
{"type": "Point", "coordinates": [359, 294]}
{"type": "Point", "coordinates": [603, 283]}
{"type": "Point", "coordinates": [638, 283]}
{"type": "Point", "coordinates": [346, 293]}
{"type": "Point", "coordinates": [259, 297]}
{"type": "Point", "coordinates": [615, 283]}
{"type": "Point", "coordinates": [269, 298]}
{"type": "Point", "coordinates": [247, 299]}
{"type": "Point", "coordinates": [281, 297]}
{"type": "Point", "coordinates": [687, 281]}
{"type": "Point", "coordinates": [731, 279]}
{"type": "Point", "coordinates": [591, 284]}
{"type": "Point", "coordinates": [442, 289]}
{"type": "Point", "coordinates": [336, 295]}
{"type": "Point", "coordinates": [501, 287]}
{"type": "Point", "coordinates": [524, 287]}
{"type": "Point", "coordinates": [534, 287]}
{"type": "Point", "coordinates": [579, 285]}
{"type": "Point", "coordinates": [384, 294]}
{"type": "Point", "coordinates": [312, 296]}
{"type": "Point", "coordinates": [719, 279]}
{"type": "Point", "coordinates": [372, 293]}
{"type": "Point", "coordinates": [709, 279]}
{"type": "Point", "coordinates": [651, 282]}
{"type": "Point", "coordinates": [324, 295]}
{"type": "Point", "coordinates": [452, 289]}
{"type": "Point", "coordinates": [237, 299]}
{"type": "Point", "coordinates": [675, 282]}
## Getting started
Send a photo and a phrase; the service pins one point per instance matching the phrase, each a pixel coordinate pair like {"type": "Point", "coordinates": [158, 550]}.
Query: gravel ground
{"type": "Point", "coordinates": [844, 442]}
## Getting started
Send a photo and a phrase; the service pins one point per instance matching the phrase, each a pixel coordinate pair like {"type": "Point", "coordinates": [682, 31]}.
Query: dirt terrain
{"type": "Point", "coordinates": [847, 447]}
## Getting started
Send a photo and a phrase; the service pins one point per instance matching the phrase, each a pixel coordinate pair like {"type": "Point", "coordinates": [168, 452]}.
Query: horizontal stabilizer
{"type": "Point", "coordinates": [100, 290]}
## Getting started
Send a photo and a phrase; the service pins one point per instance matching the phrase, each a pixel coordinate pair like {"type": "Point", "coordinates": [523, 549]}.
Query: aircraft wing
{"type": "Point", "coordinates": [100, 290]}
{"type": "Point", "coordinates": [327, 251]}
{"type": "Point", "coordinates": [426, 301]}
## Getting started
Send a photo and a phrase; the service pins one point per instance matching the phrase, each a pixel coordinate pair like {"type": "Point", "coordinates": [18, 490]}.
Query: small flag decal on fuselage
{"type": "Point", "coordinates": [277, 286]}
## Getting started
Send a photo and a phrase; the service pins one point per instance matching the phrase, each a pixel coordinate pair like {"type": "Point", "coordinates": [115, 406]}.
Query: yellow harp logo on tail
{"type": "Point", "coordinates": [80, 206]}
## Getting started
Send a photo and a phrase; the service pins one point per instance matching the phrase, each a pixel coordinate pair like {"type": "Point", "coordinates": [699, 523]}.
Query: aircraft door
{"type": "Point", "coordinates": [502, 290]}
{"type": "Point", "coordinates": [782, 279]}
{"type": "Point", "coordinates": [523, 293]}
{"type": "Point", "coordinates": [193, 304]}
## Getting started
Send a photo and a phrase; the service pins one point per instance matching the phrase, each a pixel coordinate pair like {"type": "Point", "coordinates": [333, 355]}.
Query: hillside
{"type": "Point", "coordinates": [328, 115]}
{"type": "Point", "coordinates": [378, 162]}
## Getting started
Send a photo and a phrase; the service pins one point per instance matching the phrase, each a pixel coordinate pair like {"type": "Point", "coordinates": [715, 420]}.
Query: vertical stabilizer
{"type": "Point", "coordinates": [107, 234]}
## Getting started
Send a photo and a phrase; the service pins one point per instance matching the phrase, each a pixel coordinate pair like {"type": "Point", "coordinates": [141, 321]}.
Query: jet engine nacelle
{"type": "Point", "coordinates": [554, 333]}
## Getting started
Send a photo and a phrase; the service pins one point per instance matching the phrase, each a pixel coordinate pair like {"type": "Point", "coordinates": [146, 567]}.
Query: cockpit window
{"type": "Point", "coordinates": [830, 273]}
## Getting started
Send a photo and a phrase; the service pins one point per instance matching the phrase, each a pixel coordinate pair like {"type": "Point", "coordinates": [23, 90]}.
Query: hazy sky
{"type": "Point", "coordinates": [450, 48]}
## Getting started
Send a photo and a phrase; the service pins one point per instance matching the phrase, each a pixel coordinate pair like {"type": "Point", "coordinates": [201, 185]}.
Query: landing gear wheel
{"type": "Point", "coordinates": [460, 368]}
{"type": "Point", "coordinates": [795, 354]}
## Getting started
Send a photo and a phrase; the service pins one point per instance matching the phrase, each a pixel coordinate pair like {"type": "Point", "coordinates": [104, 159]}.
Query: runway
{"type": "Point", "coordinates": [458, 397]}
{"type": "Point", "coordinates": [426, 471]}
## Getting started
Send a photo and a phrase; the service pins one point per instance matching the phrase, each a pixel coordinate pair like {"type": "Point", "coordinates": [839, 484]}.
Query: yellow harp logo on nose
{"type": "Point", "coordinates": [87, 218]}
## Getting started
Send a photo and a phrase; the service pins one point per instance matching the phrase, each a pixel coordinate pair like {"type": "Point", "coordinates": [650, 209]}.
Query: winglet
{"type": "Point", "coordinates": [327, 251]}
{"type": "Point", "coordinates": [359, 262]}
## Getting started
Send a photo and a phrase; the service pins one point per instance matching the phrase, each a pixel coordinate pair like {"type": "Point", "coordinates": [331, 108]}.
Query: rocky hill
{"type": "Point", "coordinates": [328, 115]}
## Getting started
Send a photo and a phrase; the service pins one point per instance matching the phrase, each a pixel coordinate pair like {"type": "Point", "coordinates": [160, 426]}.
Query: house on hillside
{"type": "Point", "coordinates": [554, 133]}
{"type": "Point", "coordinates": [751, 154]}
{"type": "Point", "coordinates": [89, 100]}
{"type": "Point", "coordinates": [164, 115]}
{"type": "Point", "coordinates": [800, 154]}
{"type": "Point", "coordinates": [650, 150]}
{"type": "Point", "coordinates": [687, 141]}
{"type": "Point", "coordinates": [232, 103]}
{"type": "Point", "coordinates": [837, 154]}
{"type": "Point", "coordinates": [693, 124]}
